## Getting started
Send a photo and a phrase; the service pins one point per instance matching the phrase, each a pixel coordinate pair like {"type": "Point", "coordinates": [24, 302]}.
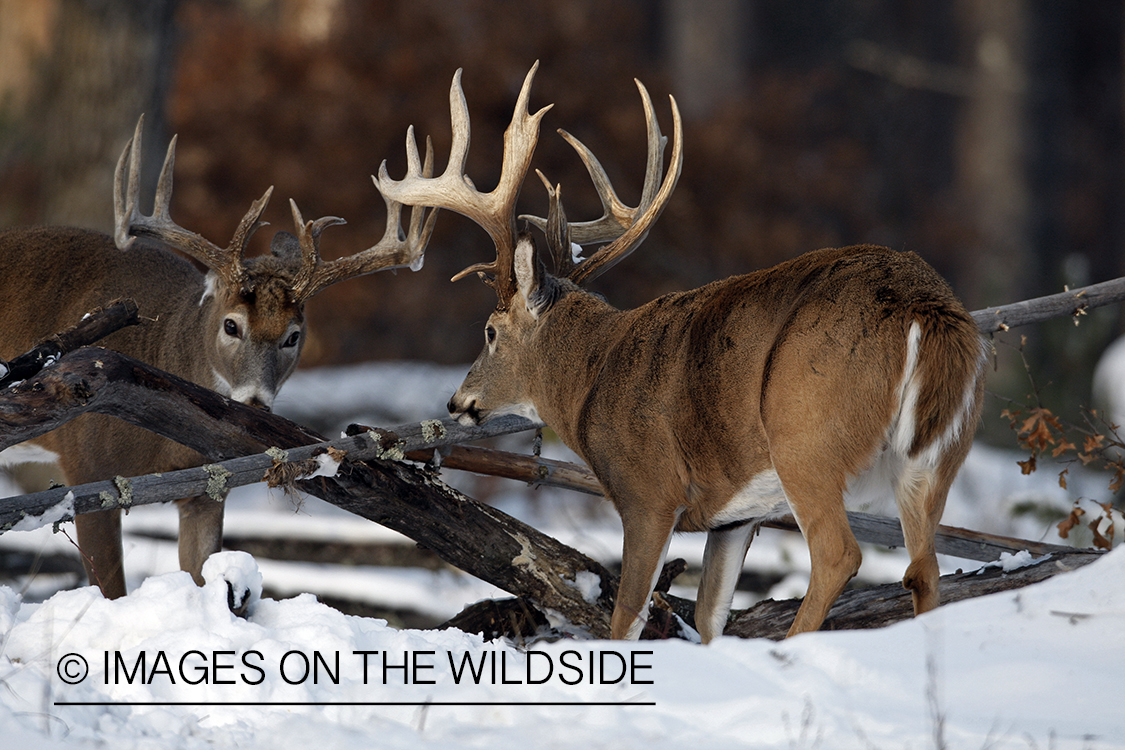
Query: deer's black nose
{"type": "Point", "coordinates": [258, 404]}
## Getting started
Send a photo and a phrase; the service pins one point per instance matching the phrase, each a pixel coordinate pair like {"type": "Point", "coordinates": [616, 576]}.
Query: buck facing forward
{"type": "Point", "coordinates": [716, 408]}
{"type": "Point", "coordinates": [237, 329]}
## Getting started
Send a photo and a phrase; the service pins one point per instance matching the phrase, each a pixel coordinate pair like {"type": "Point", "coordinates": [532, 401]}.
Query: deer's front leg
{"type": "Point", "coordinates": [647, 536]}
{"type": "Point", "coordinates": [201, 533]}
{"type": "Point", "coordinates": [99, 539]}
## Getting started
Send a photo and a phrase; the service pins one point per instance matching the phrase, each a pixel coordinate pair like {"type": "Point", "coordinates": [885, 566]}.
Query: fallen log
{"type": "Point", "coordinates": [474, 537]}
{"type": "Point", "coordinates": [886, 604]}
{"type": "Point", "coordinates": [478, 539]}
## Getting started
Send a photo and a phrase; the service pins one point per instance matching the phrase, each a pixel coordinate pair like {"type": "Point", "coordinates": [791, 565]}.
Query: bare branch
{"type": "Point", "coordinates": [94, 326]}
{"type": "Point", "coordinates": [1070, 302]}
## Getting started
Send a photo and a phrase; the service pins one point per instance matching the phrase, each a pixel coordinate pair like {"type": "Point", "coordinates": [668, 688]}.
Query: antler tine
{"type": "Point", "coordinates": [494, 211]}
{"type": "Point", "coordinates": [394, 250]}
{"type": "Point", "coordinates": [624, 225]}
{"type": "Point", "coordinates": [609, 255]}
{"type": "Point", "coordinates": [616, 216]}
{"type": "Point", "coordinates": [556, 229]}
{"type": "Point", "coordinates": [131, 223]}
{"type": "Point", "coordinates": [125, 193]}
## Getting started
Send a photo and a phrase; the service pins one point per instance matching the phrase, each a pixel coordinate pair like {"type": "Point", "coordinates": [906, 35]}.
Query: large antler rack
{"type": "Point", "coordinates": [453, 190]}
{"type": "Point", "coordinates": [394, 250]}
{"type": "Point", "coordinates": [623, 227]}
{"type": "Point", "coordinates": [129, 222]}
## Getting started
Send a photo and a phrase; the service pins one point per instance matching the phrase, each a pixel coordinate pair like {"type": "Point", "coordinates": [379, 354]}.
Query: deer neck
{"type": "Point", "coordinates": [569, 353]}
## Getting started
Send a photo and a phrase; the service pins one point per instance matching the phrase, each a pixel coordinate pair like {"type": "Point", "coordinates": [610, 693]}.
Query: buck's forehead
{"type": "Point", "coordinates": [267, 305]}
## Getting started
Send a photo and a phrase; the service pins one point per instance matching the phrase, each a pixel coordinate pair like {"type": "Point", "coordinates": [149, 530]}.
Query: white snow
{"type": "Point", "coordinates": [1041, 667]}
{"type": "Point", "coordinates": [58, 511]}
{"type": "Point", "coordinates": [327, 466]}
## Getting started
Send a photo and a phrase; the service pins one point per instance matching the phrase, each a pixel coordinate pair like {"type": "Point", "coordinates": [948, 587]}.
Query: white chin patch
{"type": "Point", "coordinates": [248, 394]}
{"type": "Point", "coordinates": [527, 411]}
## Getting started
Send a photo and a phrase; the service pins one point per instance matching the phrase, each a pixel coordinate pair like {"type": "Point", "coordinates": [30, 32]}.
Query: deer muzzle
{"type": "Point", "coordinates": [467, 414]}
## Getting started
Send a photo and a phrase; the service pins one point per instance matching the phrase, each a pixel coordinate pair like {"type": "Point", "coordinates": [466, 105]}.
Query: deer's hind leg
{"type": "Point", "coordinates": [825, 420]}
{"type": "Point", "coordinates": [722, 564]}
{"type": "Point", "coordinates": [920, 495]}
{"type": "Point", "coordinates": [834, 555]}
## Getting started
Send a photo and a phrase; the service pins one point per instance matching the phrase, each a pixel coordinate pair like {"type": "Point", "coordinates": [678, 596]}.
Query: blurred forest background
{"type": "Point", "coordinates": [985, 135]}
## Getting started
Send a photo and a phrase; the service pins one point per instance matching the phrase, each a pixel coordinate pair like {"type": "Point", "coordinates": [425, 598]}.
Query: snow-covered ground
{"type": "Point", "coordinates": [1038, 668]}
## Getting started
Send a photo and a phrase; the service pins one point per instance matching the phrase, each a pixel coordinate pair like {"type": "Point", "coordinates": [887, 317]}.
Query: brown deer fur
{"type": "Point", "coordinates": [712, 409]}
{"type": "Point", "coordinates": [238, 329]}
{"type": "Point", "coordinates": [798, 369]}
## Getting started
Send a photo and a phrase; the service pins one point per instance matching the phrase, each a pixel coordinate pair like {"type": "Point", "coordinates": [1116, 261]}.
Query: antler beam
{"type": "Point", "coordinates": [623, 227]}
{"type": "Point", "coordinates": [129, 222]}
{"type": "Point", "coordinates": [493, 211]}
{"type": "Point", "coordinates": [394, 250]}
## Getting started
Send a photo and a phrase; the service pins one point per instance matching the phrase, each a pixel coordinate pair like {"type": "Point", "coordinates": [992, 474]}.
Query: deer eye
{"type": "Point", "coordinates": [230, 328]}
{"type": "Point", "coordinates": [292, 340]}
{"type": "Point", "coordinates": [489, 334]}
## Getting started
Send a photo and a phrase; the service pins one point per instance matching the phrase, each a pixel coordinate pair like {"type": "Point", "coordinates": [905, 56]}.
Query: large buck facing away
{"type": "Point", "coordinates": [237, 329]}
{"type": "Point", "coordinates": [716, 408]}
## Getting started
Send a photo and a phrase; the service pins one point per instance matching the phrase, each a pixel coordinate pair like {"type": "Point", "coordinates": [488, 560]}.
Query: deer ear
{"type": "Point", "coordinates": [535, 285]}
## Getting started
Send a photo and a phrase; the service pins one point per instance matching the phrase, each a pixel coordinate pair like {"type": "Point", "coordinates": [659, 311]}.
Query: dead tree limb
{"type": "Point", "coordinates": [1072, 302]}
{"type": "Point", "coordinates": [878, 606]}
{"type": "Point", "coordinates": [471, 536]}
{"type": "Point", "coordinates": [950, 540]}
{"type": "Point", "coordinates": [106, 382]}
{"type": "Point", "coordinates": [535, 470]}
{"type": "Point", "coordinates": [96, 325]}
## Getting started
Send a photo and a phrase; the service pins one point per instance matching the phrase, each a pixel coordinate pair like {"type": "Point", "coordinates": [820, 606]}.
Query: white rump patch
{"type": "Point", "coordinates": [903, 428]}
{"type": "Point", "coordinates": [902, 431]}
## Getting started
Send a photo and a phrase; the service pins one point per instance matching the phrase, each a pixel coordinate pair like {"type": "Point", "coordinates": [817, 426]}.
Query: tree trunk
{"type": "Point", "coordinates": [991, 146]}
{"type": "Point", "coordinates": [77, 76]}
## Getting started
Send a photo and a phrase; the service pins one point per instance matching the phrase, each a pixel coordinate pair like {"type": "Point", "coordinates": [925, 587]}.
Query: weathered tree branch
{"type": "Point", "coordinates": [886, 604]}
{"type": "Point", "coordinates": [950, 540]}
{"type": "Point", "coordinates": [469, 535]}
{"type": "Point", "coordinates": [1071, 302]}
{"type": "Point", "coordinates": [95, 326]}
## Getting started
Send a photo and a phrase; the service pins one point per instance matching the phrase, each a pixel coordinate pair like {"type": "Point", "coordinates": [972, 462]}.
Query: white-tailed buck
{"type": "Point", "coordinates": [713, 409]}
{"type": "Point", "coordinates": [237, 329]}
